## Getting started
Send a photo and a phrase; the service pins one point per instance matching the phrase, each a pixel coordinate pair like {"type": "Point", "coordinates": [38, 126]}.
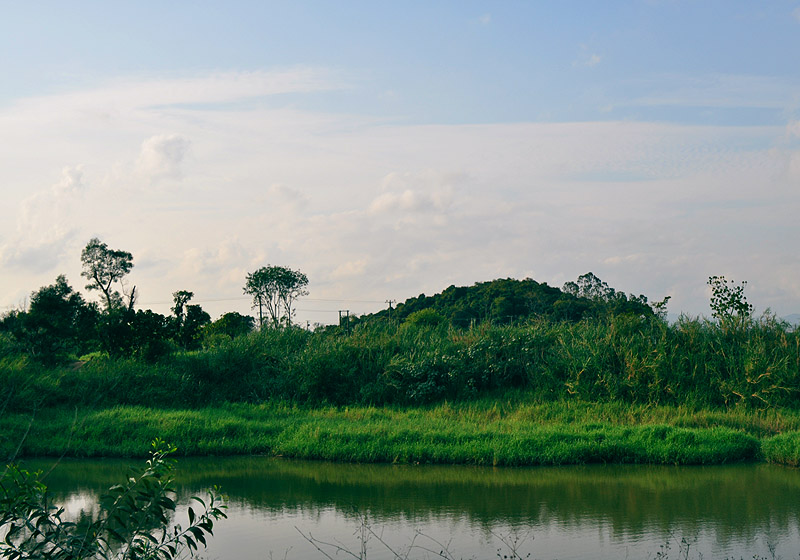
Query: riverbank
{"type": "Point", "coordinates": [508, 432]}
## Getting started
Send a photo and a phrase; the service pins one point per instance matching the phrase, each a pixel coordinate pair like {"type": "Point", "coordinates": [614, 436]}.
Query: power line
{"type": "Point", "coordinates": [243, 298]}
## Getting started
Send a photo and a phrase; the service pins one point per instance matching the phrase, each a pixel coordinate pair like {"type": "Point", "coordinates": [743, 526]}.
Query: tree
{"type": "Point", "coordinates": [231, 325]}
{"type": "Point", "coordinates": [189, 319]}
{"type": "Point", "coordinates": [58, 323]}
{"type": "Point", "coordinates": [728, 301]}
{"type": "Point", "coordinates": [425, 318]}
{"type": "Point", "coordinates": [193, 323]}
{"type": "Point", "coordinates": [605, 300]}
{"type": "Point", "coordinates": [103, 267]}
{"type": "Point", "coordinates": [181, 298]}
{"type": "Point", "coordinates": [591, 287]}
{"type": "Point", "coordinates": [275, 288]}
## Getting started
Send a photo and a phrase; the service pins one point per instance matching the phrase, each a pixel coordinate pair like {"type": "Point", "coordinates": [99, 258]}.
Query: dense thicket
{"type": "Point", "coordinates": [623, 357]}
{"type": "Point", "coordinates": [60, 327]}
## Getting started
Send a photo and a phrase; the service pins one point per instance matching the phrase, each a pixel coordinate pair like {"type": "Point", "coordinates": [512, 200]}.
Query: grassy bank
{"type": "Point", "coordinates": [489, 432]}
{"type": "Point", "coordinates": [620, 389]}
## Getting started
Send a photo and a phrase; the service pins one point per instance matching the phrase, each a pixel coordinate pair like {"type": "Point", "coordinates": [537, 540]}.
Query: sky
{"type": "Point", "coordinates": [392, 149]}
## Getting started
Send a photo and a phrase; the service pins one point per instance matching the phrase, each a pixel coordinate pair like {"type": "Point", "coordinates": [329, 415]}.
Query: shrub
{"type": "Point", "coordinates": [134, 519]}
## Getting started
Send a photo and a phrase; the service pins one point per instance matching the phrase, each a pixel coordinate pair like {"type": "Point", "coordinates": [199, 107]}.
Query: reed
{"type": "Point", "coordinates": [630, 360]}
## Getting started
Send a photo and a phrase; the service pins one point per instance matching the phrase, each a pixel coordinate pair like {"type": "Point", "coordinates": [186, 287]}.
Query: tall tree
{"type": "Point", "coordinates": [275, 289]}
{"type": "Point", "coordinates": [181, 298]}
{"type": "Point", "coordinates": [103, 267]}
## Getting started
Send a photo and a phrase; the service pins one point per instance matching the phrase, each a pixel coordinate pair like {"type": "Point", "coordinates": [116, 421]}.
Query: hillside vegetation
{"type": "Point", "coordinates": [503, 341]}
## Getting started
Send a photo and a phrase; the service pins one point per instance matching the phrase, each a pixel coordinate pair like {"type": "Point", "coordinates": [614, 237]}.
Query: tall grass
{"type": "Point", "coordinates": [624, 359]}
{"type": "Point", "coordinates": [442, 434]}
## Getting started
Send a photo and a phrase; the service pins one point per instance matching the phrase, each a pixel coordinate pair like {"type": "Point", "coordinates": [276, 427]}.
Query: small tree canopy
{"type": "Point", "coordinates": [728, 301]}
{"type": "Point", "coordinates": [103, 267]}
{"type": "Point", "coordinates": [275, 288]}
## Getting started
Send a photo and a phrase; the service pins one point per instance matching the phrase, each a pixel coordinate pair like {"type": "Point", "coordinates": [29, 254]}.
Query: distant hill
{"type": "Point", "coordinates": [508, 300]}
{"type": "Point", "coordinates": [793, 319]}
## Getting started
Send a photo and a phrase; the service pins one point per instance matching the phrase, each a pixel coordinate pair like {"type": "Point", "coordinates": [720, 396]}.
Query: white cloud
{"type": "Point", "coordinates": [161, 156]}
{"type": "Point", "coordinates": [408, 201]}
{"type": "Point", "coordinates": [485, 19]}
{"type": "Point", "coordinates": [796, 13]}
{"type": "Point", "coordinates": [415, 193]}
{"type": "Point", "coordinates": [71, 182]}
{"type": "Point", "coordinates": [587, 58]}
{"type": "Point", "coordinates": [45, 225]}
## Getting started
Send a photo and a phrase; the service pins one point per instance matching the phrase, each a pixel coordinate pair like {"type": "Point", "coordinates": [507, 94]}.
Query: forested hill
{"type": "Point", "coordinates": [508, 300]}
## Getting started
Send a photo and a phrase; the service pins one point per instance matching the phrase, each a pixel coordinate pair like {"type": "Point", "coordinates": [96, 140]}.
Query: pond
{"type": "Point", "coordinates": [608, 512]}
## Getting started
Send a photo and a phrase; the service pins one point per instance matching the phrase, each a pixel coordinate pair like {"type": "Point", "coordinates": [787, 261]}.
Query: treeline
{"type": "Point", "coordinates": [59, 326]}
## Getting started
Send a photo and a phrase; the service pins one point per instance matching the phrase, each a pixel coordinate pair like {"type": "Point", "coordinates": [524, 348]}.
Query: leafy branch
{"type": "Point", "coordinates": [133, 524]}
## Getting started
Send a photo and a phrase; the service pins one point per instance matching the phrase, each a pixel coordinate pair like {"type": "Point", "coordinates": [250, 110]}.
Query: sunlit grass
{"type": "Point", "coordinates": [506, 434]}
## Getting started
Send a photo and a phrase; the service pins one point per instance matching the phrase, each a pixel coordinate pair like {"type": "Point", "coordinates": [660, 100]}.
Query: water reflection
{"type": "Point", "coordinates": [572, 512]}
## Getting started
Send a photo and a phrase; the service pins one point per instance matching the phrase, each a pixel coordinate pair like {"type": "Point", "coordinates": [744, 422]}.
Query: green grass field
{"type": "Point", "coordinates": [488, 432]}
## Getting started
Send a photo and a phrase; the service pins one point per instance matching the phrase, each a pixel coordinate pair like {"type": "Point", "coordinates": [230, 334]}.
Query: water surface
{"type": "Point", "coordinates": [605, 512]}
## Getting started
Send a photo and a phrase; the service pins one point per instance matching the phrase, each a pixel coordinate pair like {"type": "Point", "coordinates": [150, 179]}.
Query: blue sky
{"type": "Point", "coordinates": [438, 62]}
{"type": "Point", "coordinates": [389, 149]}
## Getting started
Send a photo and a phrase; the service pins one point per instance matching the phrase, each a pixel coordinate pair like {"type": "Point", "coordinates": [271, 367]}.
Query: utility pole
{"type": "Point", "coordinates": [346, 318]}
{"type": "Point", "coordinates": [391, 302]}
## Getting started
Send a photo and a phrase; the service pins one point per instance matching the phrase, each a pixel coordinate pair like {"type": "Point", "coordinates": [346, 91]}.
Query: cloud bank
{"type": "Point", "coordinates": [202, 189]}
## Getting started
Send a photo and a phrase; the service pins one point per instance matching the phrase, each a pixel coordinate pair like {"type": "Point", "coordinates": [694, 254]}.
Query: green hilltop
{"type": "Point", "coordinates": [506, 300]}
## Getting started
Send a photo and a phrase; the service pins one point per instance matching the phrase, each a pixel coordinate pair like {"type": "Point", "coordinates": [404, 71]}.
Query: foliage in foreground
{"type": "Point", "coordinates": [134, 519]}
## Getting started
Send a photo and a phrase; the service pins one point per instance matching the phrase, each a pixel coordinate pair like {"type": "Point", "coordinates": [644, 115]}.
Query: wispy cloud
{"type": "Point", "coordinates": [588, 60]}
{"type": "Point", "coordinates": [722, 90]}
{"type": "Point", "coordinates": [116, 97]}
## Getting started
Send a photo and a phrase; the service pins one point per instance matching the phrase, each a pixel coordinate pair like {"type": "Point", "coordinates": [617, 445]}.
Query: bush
{"type": "Point", "coordinates": [134, 518]}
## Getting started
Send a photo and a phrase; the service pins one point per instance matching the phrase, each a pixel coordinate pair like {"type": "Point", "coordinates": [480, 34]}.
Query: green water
{"type": "Point", "coordinates": [568, 512]}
